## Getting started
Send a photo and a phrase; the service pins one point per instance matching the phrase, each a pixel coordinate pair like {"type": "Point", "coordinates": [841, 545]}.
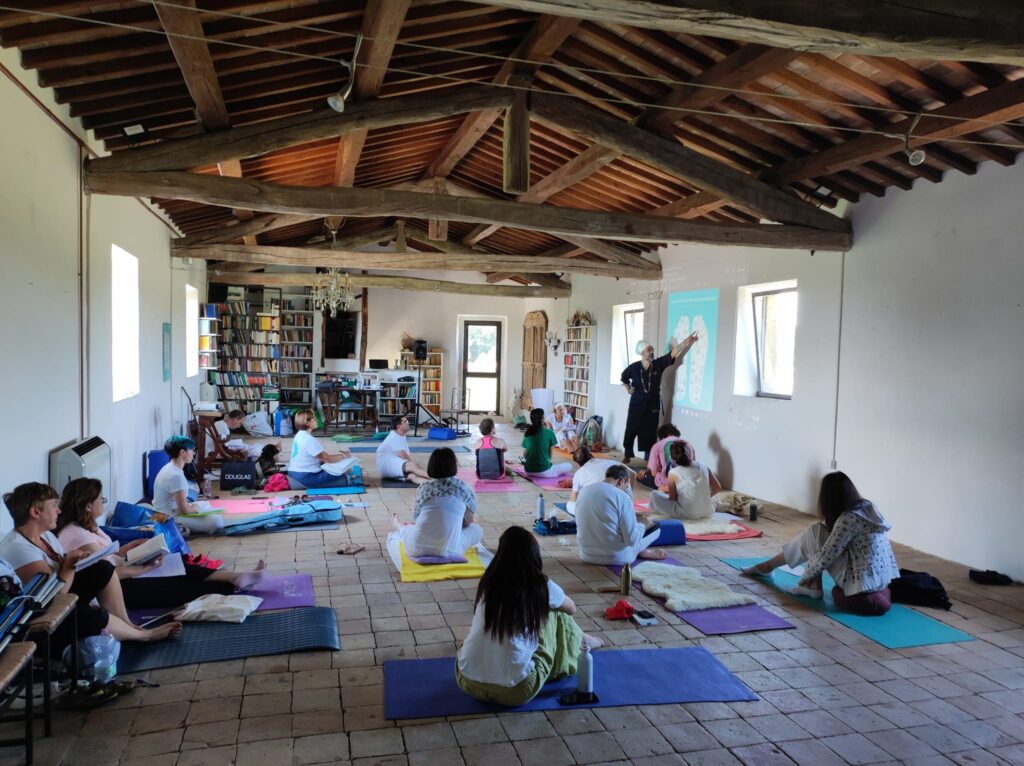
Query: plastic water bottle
{"type": "Point", "coordinates": [540, 508]}
{"type": "Point", "coordinates": [207, 488]}
{"type": "Point", "coordinates": [105, 649]}
{"type": "Point", "coordinates": [585, 672]}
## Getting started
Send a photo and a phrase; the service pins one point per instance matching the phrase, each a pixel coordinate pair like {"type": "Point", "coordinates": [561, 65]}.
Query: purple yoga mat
{"type": "Point", "coordinates": [277, 592]}
{"type": "Point", "coordinates": [723, 620]}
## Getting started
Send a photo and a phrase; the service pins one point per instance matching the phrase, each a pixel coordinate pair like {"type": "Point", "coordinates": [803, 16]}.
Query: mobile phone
{"type": "Point", "coordinates": [644, 618]}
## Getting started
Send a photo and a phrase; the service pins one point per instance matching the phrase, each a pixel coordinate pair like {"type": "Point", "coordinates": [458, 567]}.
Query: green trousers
{"type": "Point", "coordinates": [558, 646]}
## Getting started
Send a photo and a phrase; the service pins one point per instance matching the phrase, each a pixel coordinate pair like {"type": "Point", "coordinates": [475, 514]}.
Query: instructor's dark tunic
{"type": "Point", "coordinates": [644, 403]}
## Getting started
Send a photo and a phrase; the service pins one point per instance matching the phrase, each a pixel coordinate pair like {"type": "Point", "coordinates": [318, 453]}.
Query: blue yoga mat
{"type": "Point", "coordinates": [427, 688]}
{"type": "Point", "coordinates": [336, 490]}
{"type": "Point", "coordinates": [453, 448]}
{"type": "Point", "coordinates": [899, 628]}
{"type": "Point", "coordinates": [295, 630]}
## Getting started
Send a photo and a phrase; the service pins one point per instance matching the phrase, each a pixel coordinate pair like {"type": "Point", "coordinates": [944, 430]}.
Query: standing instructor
{"type": "Point", "coordinates": [643, 382]}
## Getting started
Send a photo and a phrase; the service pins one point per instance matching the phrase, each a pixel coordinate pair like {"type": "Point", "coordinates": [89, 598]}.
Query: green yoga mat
{"type": "Point", "coordinates": [899, 628]}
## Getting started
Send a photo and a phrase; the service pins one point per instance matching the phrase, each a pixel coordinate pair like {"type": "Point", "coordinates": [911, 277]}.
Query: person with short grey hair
{"type": "Point", "coordinates": [607, 530]}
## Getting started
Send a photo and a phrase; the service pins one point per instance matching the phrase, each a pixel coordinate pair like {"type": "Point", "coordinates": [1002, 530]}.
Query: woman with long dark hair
{"type": "Point", "coordinates": [82, 503]}
{"type": "Point", "coordinates": [537, 444]}
{"type": "Point", "coordinates": [522, 634]}
{"type": "Point", "coordinates": [850, 543]}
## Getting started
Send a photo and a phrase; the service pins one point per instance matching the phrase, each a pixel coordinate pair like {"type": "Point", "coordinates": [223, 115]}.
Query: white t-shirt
{"type": "Point", "coordinates": [222, 431]}
{"type": "Point", "coordinates": [693, 491]}
{"type": "Point", "coordinates": [502, 663]}
{"type": "Point", "coordinates": [171, 479]}
{"type": "Point", "coordinates": [606, 527]}
{"type": "Point", "coordinates": [17, 551]}
{"type": "Point", "coordinates": [389, 463]}
{"type": "Point", "coordinates": [439, 509]}
{"type": "Point", "coordinates": [591, 472]}
{"type": "Point", "coordinates": [305, 448]}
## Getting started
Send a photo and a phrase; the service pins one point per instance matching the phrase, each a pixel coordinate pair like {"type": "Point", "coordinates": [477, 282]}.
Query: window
{"type": "Point", "coordinates": [627, 331]}
{"type": "Point", "coordinates": [766, 340]}
{"type": "Point", "coordinates": [124, 321]}
{"type": "Point", "coordinates": [191, 331]}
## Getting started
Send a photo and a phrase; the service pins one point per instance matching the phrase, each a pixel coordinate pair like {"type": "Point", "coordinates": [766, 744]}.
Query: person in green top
{"type": "Point", "coordinates": [537, 444]}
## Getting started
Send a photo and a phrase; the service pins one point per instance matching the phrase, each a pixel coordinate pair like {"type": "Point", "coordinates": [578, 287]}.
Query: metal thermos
{"type": "Point", "coordinates": [753, 511]}
{"type": "Point", "coordinates": [626, 580]}
{"type": "Point", "coordinates": [540, 508]}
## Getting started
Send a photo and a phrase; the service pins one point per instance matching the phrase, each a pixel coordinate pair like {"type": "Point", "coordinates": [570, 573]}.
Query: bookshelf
{"type": "Point", "coordinates": [433, 373]}
{"type": "Point", "coordinates": [248, 356]}
{"type": "Point", "coordinates": [578, 359]}
{"type": "Point", "coordinates": [296, 361]}
{"type": "Point", "coordinates": [209, 336]}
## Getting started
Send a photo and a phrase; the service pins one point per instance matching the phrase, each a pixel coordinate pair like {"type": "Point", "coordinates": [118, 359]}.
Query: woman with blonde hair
{"type": "Point", "coordinates": [308, 456]}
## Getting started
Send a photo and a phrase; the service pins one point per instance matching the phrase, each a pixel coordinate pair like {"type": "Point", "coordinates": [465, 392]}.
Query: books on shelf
{"type": "Point", "coordinates": [576, 349]}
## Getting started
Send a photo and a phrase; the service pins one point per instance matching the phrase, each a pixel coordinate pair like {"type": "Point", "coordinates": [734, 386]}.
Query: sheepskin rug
{"type": "Point", "coordinates": [684, 589]}
{"type": "Point", "coordinates": [712, 527]}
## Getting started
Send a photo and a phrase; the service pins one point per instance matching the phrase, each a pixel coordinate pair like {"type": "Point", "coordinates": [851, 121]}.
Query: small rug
{"type": "Point", "coordinates": [684, 589]}
{"type": "Point", "coordinates": [745, 532]}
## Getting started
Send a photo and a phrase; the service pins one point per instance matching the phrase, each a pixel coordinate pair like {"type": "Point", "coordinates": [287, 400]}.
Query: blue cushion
{"type": "Point", "coordinates": [672, 532]}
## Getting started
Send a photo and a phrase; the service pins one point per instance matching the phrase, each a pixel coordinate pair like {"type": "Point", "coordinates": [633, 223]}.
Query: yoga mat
{"type": "Point", "coordinates": [336, 490]}
{"type": "Point", "coordinates": [549, 483]}
{"type": "Point", "coordinates": [899, 628]}
{"type": "Point", "coordinates": [258, 504]}
{"type": "Point", "coordinates": [453, 447]}
{"type": "Point", "coordinates": [277, 592]}
{"type": "Point", "coordinates": [733, 619]}
{"type": "Point", "coordinates": [427, 688]}
{"type": "Point", "coordinates": [396, 484]}
{"type": "Point", "coordinates": [297, 630]}
{"type": "Point", "coordinates": [413, 572]}
{"type": "Point", "coordinates": [507, 484]}
{"type": "Point", "coordinates": [322, 526]}
{"type": "Point", "coordinates": [747, 532]}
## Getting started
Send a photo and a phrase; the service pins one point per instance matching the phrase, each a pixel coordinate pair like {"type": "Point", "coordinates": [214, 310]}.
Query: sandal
{"type": "Point", "coordinates": [351, 548]}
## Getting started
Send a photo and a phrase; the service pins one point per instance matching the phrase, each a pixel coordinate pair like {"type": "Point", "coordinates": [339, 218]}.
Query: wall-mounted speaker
{"type": "Point", "coordinates": [419, 350]}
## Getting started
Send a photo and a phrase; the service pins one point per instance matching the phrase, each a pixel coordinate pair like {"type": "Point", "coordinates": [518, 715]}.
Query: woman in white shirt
{"type": "Point", "coordinates": [691, 485]}
{"type": "Point", "coordinates": [522, 634]}
{"type": "Point", "coordinates": [32, 548]}
{"type": "Point", "coordinates": [308, 457]}
{"type": "Point", "coordinates": [170, 490]}
{"type": "Point", "coordinates": [564, 427]}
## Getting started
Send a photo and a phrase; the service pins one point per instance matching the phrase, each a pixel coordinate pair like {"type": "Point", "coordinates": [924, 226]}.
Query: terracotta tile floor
{"type": "Point", "coordinates": [827, 695]}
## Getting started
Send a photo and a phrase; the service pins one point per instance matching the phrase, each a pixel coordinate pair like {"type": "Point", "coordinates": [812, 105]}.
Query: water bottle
{"type": "Point", "coordinates": [585, 672]}
{"type": "Point", "coordinates": [540, 508]}
{"type": "Point", "coordinates": [105, 651]}
{"type": "Point", "coordinates": [207, 488]}
{"type": "Point", "coordinates": [753, 511]}
{"type": "Point", "coordinates": [626, 580]}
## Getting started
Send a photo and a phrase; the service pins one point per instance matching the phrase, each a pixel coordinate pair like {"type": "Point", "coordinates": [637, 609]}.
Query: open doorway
{"type": "Point", "coordinates": [481, 365]}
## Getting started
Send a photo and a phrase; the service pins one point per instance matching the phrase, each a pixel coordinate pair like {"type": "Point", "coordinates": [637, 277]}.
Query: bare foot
{"type": "Point", "coordinates": [757, 570]}
{"type": "Point", "coordinates": [592, 642]}
{"type": "Point", "coordinates": [655, 554]}
{"type": "Point", "coordinates": [246, 580]}
{"type": "Point", "coordinates": [170, 630]}
{"type": "Point", "coordinates": [395, 523]}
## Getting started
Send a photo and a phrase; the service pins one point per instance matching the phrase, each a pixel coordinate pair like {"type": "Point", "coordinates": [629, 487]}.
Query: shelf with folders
{"type": "Point", "coordinates": [209, 336]}
{"type": "Point", "coordinates": [578, 358]}
{"type": "Point", "coordinates": [432, 371]}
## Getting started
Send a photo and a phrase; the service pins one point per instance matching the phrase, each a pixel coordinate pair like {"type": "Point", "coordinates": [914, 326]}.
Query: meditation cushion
{"type": "Point", "coordinates": [431, 560]}
{"type": "Point", "coordinates": [672, 532]}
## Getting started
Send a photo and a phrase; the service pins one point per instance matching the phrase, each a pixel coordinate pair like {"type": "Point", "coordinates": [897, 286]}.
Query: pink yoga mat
{"type": "Point", "coordinates": [248, 504]}
{"type": "Point", "coordinates": [549, 483]}
{"type": "Point", "coordinates": [507, 484]}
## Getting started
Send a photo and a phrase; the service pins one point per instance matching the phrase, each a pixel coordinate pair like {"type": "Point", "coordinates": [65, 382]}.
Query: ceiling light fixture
{"type": "Point", "coordinates": [337, 101]}
{"type": "Point", "coordinates": [332, 291]}
{"type": "Point", "coordinates": [916, 156]}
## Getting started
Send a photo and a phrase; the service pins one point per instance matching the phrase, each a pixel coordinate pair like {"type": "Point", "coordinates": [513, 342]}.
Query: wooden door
{"type": "Point", "coordinates": [535, 358]}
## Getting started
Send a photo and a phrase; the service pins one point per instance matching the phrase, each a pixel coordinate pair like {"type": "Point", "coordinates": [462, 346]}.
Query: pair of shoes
{"type": "Point", "coordinates": [622, 610]}
{"type": "Point", "coordinates": [800, 590]}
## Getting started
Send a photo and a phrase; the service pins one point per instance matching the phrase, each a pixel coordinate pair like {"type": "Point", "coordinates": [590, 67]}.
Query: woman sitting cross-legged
{"type": "Point", "coordinates": [444, 510]}
{"type": "Point", "coordinates": [537, 443]}
{"type": "Point", "coordinates": [82, 503]}
{"type": "Point", "coordinates": [522, 634]}
{"type": "Point", "coordinates": [33, 549]}
{"type": "Point", "coordinates": [308, 456]}
{"type": "Point", "coordinates": [170, 490]}
{"type": "Point", "coordinates": [850, 543]}
{"type": "Point", "coordinates": [689, 488]}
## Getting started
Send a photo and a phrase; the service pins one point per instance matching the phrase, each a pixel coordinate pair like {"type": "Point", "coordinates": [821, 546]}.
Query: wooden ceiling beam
{"type": "Point", "coordinates": [395, 283]}
{"type": "Point", "coordinates": [236, 231]}
{"type": "Point", "coordinates": [272, 255]}
{"type": "Point", "coordinates": [691, 166]}
{"type": "Point", "coordinates": [382, 23]}
{"type": "Point", "coordinates": [372, 203]}
{"type": "Point", "coordinates": [537, 47]}
{"type": "Point", "coordinates": [264, 137]}
{"type": "Point", "coordinates": [940, 29]}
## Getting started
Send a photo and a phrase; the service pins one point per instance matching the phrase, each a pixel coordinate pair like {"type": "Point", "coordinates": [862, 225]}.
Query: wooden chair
{"type": "Point", "coordinates": [328, 396]}
{"type": "Point", "coordinates": [16, 681]}
{"type": "Point", "coordinates": [207, 436]}
{"type": "Point", "coordinates": [40, 630]}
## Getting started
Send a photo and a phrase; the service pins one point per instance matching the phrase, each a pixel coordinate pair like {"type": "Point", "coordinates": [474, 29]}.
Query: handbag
{"type": "Point", "coordinates": [238, 473]}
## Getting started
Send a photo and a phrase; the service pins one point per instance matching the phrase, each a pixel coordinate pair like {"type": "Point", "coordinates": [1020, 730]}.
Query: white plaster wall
{"type": "Point", "coordinates": [930, 405]}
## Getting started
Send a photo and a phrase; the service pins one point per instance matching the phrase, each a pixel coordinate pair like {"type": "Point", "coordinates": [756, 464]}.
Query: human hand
{"type": "Point", "coordinates": [158, 561]}
{"type": "Point", "coordinates": [72, 557]}
{"type": "Point", "coordinates": [133, 544]}
{"type": "Point", "coordinates": [689, 341]}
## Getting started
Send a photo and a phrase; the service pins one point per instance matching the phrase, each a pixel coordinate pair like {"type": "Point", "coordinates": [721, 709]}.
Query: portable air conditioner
{"type": "Point", "coordinates": [89, 457]}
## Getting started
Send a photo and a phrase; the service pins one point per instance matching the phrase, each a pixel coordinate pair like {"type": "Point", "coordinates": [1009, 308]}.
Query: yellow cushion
{"type": "Point", "coordinates": [413, 572]}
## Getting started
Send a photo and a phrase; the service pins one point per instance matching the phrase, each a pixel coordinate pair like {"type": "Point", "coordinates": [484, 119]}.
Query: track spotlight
{"type": "Point", "coordinates": [337, 101]}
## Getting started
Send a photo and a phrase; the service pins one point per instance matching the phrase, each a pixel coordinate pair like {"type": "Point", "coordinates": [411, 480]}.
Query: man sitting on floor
{"type": "Point", "coordinates": [394, 460]}
{"type": "Point", "coordinates": [606, 527]}
{"type": "Point", "coordinates": [592, 470]}
{"type": "Point", "coordinates": [240, 449]}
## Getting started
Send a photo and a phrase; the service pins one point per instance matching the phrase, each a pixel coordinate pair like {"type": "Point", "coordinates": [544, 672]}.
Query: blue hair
{"type": "Point", "coordinates": [175, 445]}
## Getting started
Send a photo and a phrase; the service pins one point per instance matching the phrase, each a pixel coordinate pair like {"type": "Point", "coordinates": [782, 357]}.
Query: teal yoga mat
{"type": "Point", "coordinates": [899, 628]}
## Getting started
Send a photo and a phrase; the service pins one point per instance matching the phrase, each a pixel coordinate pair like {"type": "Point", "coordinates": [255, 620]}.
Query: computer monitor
{"type": "Point", "coordinates": [378, 364]}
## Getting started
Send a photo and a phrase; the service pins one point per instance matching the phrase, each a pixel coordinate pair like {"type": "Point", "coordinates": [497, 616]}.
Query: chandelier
{"type": "Point", "coordinates": [332, 291]}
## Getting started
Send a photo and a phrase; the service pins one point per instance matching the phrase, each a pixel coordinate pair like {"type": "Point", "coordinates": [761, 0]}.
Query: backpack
{"type": "Point", "coordinates": [490, 463]}
{"type": "Point", "coordinates": [919, 589]}
{"type": "Point", "coordinates": [589, 431]}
